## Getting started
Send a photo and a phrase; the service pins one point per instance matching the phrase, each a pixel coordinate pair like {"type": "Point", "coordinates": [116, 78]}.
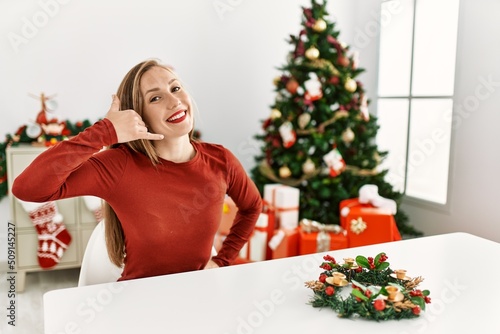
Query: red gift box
{"type": "Point", "coordinates": [285, 243]}
{"type": "Point", "coordinates": [366, 224]}
{"type": "Point", "coordinates": [315, 237]}
{"type": "Point", "coordinates": [271, 229]}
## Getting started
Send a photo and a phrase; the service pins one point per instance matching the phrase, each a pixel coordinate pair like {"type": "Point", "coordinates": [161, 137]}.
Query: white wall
{"type": "Point", "coordinates": [80, 50]}
{"type": "Point", "coordinates": [475, 181]}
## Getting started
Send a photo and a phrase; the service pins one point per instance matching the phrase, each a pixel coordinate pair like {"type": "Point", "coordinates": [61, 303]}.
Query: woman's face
{"type": "Point", "coordinates": [167, 106]}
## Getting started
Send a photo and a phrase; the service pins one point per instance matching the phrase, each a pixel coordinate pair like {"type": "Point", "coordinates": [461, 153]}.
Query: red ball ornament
{"type": "Point", "coordinates": [334, 80]}
{"type": "Point", "coordinates": [343, 61]}
{"type": "Point", "coordinates": [416, 310]}
{"type": "Point", "coordinates": [292, 85]}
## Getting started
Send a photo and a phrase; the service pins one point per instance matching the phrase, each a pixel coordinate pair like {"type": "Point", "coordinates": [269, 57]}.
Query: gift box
{"type": "Point", "coordinates": [284, 201]}
{"type": "Point", "coordinates": [271, 229]}
{"type": "Point", "coordinates": [315, 237]}
{"type": "Point", "coordinates": [255, 248]}
{"type": "Point", "coordinates": [284, 243]}
{"type": "Point", "coordinates": [366, 224]}
{"type": "Point", "coordinates": [229, 211]}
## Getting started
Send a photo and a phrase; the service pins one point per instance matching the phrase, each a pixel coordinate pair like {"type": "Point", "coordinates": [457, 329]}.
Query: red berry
{"type": "Point", "coordinates": [368, 293]}
{"type": "Point", "coordinates": [322, 278]}
{"type": "Point", "coordinates": [329, 290]}
{"type": "Point", "coordinates": [326, 266]}
{"type": "Point", "coordinates": [329, 259]}
{"type": "Point", "coordinates": [427, 299]}
{"type": "Point", "coordinates": [370, 259]}
{"type": "Point", "coordinates": [416, 310]}
{"type": "Point", "coordinates": [382, 258]}
{"type": "Point", "coordinates": [416, 293]}
{"type": "Point", "coordinates": [379, 304]}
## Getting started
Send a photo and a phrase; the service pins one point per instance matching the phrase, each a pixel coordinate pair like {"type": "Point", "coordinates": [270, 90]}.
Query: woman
{"type": "Point", "coordinates": [163, 191]}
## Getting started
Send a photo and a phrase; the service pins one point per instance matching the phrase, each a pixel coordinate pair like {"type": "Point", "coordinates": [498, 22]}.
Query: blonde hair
{"type": "Point", "coordinates": [129, 93]}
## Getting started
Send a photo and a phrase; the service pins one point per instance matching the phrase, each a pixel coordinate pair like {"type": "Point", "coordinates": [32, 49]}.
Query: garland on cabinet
{"type": "Point", "coordinates": [24, 134]}
{"type": "Point", "coordinates": [46, 130]}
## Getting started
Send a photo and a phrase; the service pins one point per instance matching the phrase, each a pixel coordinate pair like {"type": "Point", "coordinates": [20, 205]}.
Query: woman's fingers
{"type": "Point", "coordinates": [128, 124]}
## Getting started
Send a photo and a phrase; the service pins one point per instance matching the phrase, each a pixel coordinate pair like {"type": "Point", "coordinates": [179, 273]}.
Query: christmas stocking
{"type": "Point", "coordinates": [53, 238]}
{"type": "Point", "coordinates": [94, 204]}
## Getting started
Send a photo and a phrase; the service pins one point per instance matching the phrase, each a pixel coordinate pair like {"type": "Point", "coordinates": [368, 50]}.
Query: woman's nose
{"type": "Point", "coordinates": [175, 104]}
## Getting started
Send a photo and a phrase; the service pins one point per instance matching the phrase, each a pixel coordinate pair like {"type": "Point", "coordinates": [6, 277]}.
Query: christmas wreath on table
{"type": "Point", "coordinates": [376, 291]}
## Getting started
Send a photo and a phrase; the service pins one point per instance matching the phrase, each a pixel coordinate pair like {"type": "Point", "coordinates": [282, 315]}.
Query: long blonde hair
{"type": "Point", "coordinates": [129, 93]}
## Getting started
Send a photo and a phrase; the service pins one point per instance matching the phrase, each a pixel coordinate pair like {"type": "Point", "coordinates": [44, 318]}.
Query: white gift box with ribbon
{"type": "Point", "coordinates": [284, 201]}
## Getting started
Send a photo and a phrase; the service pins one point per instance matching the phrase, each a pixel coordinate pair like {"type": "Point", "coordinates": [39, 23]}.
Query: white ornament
{"type": "Point", "coordinates": [313, 87]}
{"type": "Point", "coordinates": [51, 105]}
{"type": "Point", "coordinates": [287, 134]}
{"type": "Point", "coordinates": [335, 162]}
{"type": "Point", "coordinates": [33, 130]}
{"type": "Point", "coordinates": [334, 106]}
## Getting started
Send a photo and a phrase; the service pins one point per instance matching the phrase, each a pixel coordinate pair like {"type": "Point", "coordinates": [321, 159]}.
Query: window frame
{"type": "Point", "coordinates": [408, 199]}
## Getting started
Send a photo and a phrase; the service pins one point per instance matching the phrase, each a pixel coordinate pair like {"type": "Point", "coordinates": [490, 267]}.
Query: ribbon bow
{"type": "Point", "coordinates": [368, 194]}
{"type": "Point", "coordinates": [323, 239]}
{"type": "Point", "coordinates": [310, 226]}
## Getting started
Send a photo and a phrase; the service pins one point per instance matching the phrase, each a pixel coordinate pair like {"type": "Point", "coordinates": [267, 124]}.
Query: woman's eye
{"type": "Point", "coordinates": [175, 89]}
{"type": "Point", "coordinates": [154, 99]}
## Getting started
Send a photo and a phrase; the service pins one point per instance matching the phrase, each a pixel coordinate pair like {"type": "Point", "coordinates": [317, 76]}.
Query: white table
{"type": "Point", "coordinates": [459, 269]}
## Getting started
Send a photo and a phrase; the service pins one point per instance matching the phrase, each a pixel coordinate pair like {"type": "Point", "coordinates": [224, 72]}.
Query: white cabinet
{"type": "Point", "coordinates": [79, 221]}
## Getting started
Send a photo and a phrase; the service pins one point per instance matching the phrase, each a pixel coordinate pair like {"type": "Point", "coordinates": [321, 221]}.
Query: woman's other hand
{"type": "Point", "coordinates": [211, 265]}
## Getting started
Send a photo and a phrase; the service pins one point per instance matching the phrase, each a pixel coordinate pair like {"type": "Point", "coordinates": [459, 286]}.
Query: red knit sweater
{"type": "Point", "coordinates": [169, 212]}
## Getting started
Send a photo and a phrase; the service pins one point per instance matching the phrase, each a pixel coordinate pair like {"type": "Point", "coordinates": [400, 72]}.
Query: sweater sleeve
{"type": "Point", "coordinates": [246, 196]}
{"type": "Point", "coordinates": [69, 168]}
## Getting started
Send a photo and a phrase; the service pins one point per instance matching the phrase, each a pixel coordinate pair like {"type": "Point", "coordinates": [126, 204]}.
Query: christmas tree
{"type": "Point", "coordinates": [320, 136]}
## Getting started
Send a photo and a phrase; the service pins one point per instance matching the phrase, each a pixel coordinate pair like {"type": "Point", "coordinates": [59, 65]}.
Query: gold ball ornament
{"type": "Point", "coordinates": [348, 136]}
{"type": "Point", "coordinates": [303, 120]}
{"type": "Point", "coordinates": [276, 81]}
{"type": "Point", "coordinates": [319, 25]}
{"type": "Point", "coordinates": [350, 85]}
{"type": "Point", "coordinates": [285, 172]}
{"type": "Point", "coordinates": [275, 113]}
{"type": "Point", "coordinates": [312, 53]}
{"type": "Point", "coordinates": [308, 167]}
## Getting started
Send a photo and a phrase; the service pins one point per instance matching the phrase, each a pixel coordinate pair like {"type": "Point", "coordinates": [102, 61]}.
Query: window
{"type": "Point", "coordinates": [415, 95]}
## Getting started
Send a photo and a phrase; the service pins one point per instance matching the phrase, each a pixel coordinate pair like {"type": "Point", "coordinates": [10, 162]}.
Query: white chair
{"type": "Point", "coordinates": [96, 266]}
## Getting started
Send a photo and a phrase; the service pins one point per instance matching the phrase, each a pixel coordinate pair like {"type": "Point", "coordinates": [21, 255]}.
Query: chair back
{"type": "Point", "coordinates": [96, 266]}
